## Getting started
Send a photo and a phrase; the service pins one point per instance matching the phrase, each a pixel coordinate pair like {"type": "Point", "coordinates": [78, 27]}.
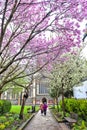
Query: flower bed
{"type": "Point", "coordinates": [11, 121]}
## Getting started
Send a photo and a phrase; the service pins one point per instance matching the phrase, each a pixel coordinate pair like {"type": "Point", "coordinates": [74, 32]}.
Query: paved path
{"type": "Point", "coordinates": [41, 122]}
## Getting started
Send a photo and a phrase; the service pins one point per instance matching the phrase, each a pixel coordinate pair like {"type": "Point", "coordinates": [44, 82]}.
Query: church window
{"type": "Point", "coordinates": [43, 88]}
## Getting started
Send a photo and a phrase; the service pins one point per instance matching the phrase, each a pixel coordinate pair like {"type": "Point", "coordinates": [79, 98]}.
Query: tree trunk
{"type": "Point", "coordinates": [23, 105]}
{"type": "Point", "coordinates": [22, 109]}
{"type": "Point", "coordinates": [0, 95]}
{"type": "Point", "coordinates": [63, 105]}
{"type": "Point", "coordinates": [57, 103]}
{"type": "Point", "coordinates": [54, 103]}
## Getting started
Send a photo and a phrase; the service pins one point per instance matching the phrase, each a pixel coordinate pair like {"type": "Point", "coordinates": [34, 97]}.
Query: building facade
{"type": "Point", "coordinates": [80, 92]}
{"type": "Point", "coordinates": [38, 92]}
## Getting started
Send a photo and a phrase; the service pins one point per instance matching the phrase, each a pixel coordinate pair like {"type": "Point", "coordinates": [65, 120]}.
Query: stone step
{"type": "Point", "coordinates": [63, 126]}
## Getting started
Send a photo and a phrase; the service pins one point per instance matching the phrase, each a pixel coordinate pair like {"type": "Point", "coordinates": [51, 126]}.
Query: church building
{"type": "Point", "coordinates": [38, 92]}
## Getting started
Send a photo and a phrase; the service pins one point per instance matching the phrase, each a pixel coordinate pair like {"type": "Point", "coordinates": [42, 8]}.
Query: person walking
{"type": "Point", "coordinates": [41, 108]}
{"type": "Point", "coordinates": [45, 108]}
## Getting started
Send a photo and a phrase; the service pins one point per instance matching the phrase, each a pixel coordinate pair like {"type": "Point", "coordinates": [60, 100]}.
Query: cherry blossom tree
{"type": "Point", "coordinates": [35, 33]}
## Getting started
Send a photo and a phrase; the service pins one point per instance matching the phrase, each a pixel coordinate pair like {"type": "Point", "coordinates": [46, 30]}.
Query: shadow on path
{"type": "Point", "coordinates": [41, 122]}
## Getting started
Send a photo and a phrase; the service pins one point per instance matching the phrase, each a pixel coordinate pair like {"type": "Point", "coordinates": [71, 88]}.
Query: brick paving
{"type": "Point", "coordinates": [41, 122]}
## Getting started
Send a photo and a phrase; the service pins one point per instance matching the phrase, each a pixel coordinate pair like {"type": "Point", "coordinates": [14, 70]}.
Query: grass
{"type": "Point", "coordinates": [17, 108]}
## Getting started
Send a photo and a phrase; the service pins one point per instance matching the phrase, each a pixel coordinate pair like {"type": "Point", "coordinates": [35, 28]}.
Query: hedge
{"type": "Point", "coordinates": [5, 106]}
{"type": "Point", "coordinates": [78, 106]}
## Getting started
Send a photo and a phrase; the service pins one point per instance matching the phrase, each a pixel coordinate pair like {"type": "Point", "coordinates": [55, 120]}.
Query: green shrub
{"type": "Point", "coordinates": [82, 126]}
{"type": "Point", "coordinates": [14, 128]}
{"type": "Point", "coordinates": [5, 106]}
{"type": "Point", "coordinates": [2, 119]}
{"type": "Point", "coordinates": [11, 119]}
{"type": "Point", "coordinates": [83, 109]}
{"type": "Point", "coordinates": [16, 116]}
{"type": "Point", "coordinates": [7, 123]}
{"type": "Point", "coordinates": [78, 106]}
{"type": "Point", "coordinates": [2, 126]}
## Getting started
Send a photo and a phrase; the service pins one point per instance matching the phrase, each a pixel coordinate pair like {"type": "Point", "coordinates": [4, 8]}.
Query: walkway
{"type": "Point", "coordinates": [41, 122]}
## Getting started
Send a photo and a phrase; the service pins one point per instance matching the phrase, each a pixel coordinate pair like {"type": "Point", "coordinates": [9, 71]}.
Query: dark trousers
{"type": "Point", "coordinates": [41, 111]}
{"type": "Point", "coordinates": [45, 112]}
